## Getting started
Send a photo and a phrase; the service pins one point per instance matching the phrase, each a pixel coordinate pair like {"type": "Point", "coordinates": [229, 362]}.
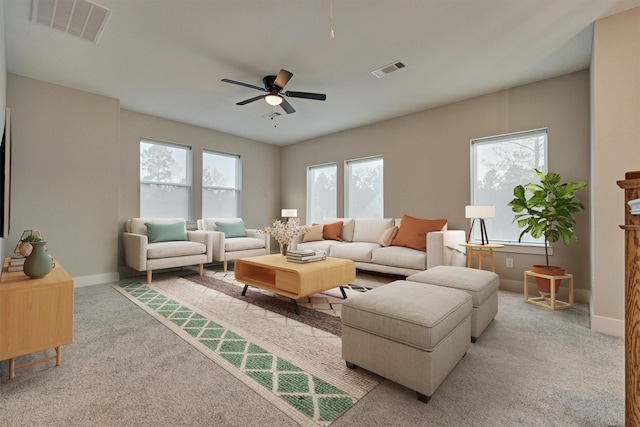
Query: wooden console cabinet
{"type": "Point", "coordinates": [631, 227]}
{"type": "Point", "coordinates": [35, 315]}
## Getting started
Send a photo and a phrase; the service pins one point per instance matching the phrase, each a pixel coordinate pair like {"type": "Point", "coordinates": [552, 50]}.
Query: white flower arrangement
{"type": "Point", "coordinates": [285, 231]}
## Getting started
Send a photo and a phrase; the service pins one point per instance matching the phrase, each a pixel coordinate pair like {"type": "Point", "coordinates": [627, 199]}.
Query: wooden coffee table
{"type": "Point", "coordinates": [289, 279]}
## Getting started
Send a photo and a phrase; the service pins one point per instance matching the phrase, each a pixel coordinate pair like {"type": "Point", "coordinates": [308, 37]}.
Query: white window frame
{"type": "Point", "coordinates": [236, 187]}
{"type": "Point", "coordinates": [504, 215]}
{"type": "Point", "coordinates": [348, 208]}
{"type": "Point", "coordinates": [188, 176]}
{"type": "Point", "coordinates": [310, 193]}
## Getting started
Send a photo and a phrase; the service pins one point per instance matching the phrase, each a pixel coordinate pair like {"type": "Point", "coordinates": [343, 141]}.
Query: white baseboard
{"type": "Point", "coordinates": [95, 279]}
{"type": "Point", "coordinates": [579, 295]}
{"type": "Point", "coordinates": [608, 326]}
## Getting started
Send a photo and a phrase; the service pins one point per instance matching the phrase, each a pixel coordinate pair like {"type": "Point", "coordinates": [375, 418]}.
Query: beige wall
{"type": "Point", "coordinates": [65, 163]}
{"type": "Point", "coordinates": [615, 150]}
{"type": "Point", "coordinates": [426, 159]}
{"type": "Point", "coordinates": [260, 167]}
{"type": "Point", "coordinates": [76, 173]}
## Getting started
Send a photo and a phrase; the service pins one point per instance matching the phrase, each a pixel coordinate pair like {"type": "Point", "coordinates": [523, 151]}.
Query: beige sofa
{"type": "Point", "coordinates": [361, 244]}
{"type": "Point", "coordinates": [191, 247]}
{"type": "Point", "coordinates": [229, 249]}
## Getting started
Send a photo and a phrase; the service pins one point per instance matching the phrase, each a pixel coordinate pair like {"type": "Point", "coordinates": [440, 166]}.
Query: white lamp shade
{"type": "Point", "coordinates": [478, 211]}
{"type": "Point", "coordinates": [289, 213]}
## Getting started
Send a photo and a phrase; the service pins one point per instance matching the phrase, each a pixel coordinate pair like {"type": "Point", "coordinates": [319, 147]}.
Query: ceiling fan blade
{"type": "Point", "coordinates": [246, 101]}
{"type": "Point", "coordinates": [287, 107]}
{"type": "Point", "coordinates": [307, 95]}
{"type": "Point", "coordinates": [244, 84]}
{"type": "Point", "coordinates": [283, 78]}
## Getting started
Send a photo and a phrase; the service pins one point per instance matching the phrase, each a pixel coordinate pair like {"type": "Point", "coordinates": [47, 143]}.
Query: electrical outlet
{"type": "Point", "coordinates": [509, 262]}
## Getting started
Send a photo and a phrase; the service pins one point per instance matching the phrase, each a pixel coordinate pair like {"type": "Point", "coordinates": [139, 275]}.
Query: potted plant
{"type": "Point", "coordinates": [547, 213]}
{"type": "Point", "coordinates": [24, 245]}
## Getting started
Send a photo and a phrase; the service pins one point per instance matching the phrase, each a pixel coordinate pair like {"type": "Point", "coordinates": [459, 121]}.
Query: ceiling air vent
{"type": "Point", "coordinates": [80, 18]}
{"type": "Point", "coordinates": [383, 71]}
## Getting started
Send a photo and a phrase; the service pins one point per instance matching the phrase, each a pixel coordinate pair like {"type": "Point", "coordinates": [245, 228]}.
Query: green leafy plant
{"type": "Point", "coordinates": [32, 238]}
{"type": "Point", "coordinates": [548, 212]}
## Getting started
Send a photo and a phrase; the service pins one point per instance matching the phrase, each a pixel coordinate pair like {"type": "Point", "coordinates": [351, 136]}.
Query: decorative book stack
{"type": "Point", "coordinates": [305, 256]}
{"type": "Point", "coordinates": [16, 263]}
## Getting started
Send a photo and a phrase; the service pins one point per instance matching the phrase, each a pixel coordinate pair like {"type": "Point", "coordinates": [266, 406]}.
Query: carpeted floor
{"type": "Point", "coordinates": [530, 367]}
{"type": "Point", "coordinates": [307, 382]}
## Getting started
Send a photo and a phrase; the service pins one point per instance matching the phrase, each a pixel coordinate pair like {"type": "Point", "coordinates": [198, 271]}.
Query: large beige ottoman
{"type": "Point", "coordinates": [408, 332]}
{"type": "Point", "coordinates": [481, 285]}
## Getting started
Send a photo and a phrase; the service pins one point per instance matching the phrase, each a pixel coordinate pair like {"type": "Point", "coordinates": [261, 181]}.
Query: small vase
{"type": "Point", "coordinates": [283, 249]}
{"type": "Point", "coordinates": [38, 264]}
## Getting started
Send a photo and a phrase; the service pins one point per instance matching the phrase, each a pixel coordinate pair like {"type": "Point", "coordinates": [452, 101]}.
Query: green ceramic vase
{"type": "Point", "coordinates": [38, 264]}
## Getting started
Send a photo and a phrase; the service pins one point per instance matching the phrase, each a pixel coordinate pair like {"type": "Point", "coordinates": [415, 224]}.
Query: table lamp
{"type": "Point", "coordinates": [289, 213]}
{"type": "Point", "coordinates": [479, 212]}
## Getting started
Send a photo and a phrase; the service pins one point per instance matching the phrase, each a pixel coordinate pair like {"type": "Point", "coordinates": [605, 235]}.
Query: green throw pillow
{"type": "Point", "coordinates": [165, 232]}
{"type": "Point", "coordinates": [231, 229]}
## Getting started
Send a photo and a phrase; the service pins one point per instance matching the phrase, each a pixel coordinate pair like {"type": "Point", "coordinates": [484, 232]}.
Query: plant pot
{"type": "Point", "coordinates": [544, 285]}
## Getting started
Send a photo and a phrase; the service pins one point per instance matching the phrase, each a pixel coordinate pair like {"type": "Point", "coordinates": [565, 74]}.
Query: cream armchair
{"type": "Point", "coordinates": [245, 242]}
{"type": "Point", "coordinates": [165, 243]}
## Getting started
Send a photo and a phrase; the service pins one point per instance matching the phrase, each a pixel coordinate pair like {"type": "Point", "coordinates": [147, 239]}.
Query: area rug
{"type": "Point", "coordinates": [306, 380]}
{"type": "Point", "coordinates": [280, 305]}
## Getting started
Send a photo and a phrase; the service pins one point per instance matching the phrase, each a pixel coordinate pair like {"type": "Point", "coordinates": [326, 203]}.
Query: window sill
{"type": "Point", "coordinates": [524, 249]}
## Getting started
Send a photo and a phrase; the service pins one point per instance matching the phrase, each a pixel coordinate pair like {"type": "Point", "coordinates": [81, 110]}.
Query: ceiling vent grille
{"type": "Point", "coordinates": [80, 18]}
{"type": "Point", "coordinates": [383, 71]}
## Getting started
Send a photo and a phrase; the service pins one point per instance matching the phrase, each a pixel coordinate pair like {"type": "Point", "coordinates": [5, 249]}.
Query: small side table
{"type": "Point", "coordinates": [477, 250]}
{"type": "Point", "coordinates": [550, 303]}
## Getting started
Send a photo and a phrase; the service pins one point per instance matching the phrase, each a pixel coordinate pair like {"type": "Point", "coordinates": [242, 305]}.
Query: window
{"type": "Point", "coordinates": [220, 185]}
{"type": "Point", "coordinates": [322, 193]}
{"type": "Point", "coordinates": [165, 180]}
{"type": "Point", "coordinates": [498, 164]}
{"type": "Point", "coordinates": [364, 188]}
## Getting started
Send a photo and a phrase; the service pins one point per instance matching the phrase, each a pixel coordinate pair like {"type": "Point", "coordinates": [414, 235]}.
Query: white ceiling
{"type": "Point", "coordinates": [167, 57]}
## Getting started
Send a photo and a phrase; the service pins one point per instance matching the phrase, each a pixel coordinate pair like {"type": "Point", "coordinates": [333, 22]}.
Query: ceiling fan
{"type": "Point", "coordinates": [274, 85]}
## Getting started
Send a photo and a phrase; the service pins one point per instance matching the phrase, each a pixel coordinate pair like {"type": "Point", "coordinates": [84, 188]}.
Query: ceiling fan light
{"type": "Point", "coordinates": [273, 99]}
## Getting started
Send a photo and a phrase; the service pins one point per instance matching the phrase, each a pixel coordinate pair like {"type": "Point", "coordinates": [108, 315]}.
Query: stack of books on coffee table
{"type": "Point", "coordinates": [16, 263]}
{"type": "Point", "coordinates": [305, 256]}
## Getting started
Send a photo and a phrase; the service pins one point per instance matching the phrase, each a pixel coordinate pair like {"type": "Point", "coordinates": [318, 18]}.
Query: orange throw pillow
{"type": "Point", "coordinates": [332, 231]}
{"type": "Point", "coordinates": [413, 232]}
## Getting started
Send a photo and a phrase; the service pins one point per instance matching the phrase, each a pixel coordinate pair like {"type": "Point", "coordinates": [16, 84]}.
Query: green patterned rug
{"type": "Point", "coordinates": [309, 398]}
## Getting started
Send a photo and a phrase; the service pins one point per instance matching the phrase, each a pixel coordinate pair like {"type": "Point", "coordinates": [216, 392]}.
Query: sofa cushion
{"type": "Point", "coordinates": [399, 256]}
{"type": "Point", "coordinates": [387, 236]}
{"type": "Point", "coordinates": [319, 245]}
{"type": "Point", "coordinates": [347, 227]}
{"type": "Point", "coordinates": [243, 244]}
{"type": "Point", "coordinates": [370, 229]}
{"type": "Point", "coordinates": [174, 249]}
{"type": "Point", "coordinates": [209, 224]}
{"type": "Point", "coordinates": [332, 231]}
{"type": "Point", "coordinates": [176, 231]}
{"type": "Point", "coordinates": [314, 234]}
{"type": "Point", "coordinates": [355, 251]}
{"type": "Point", "coordinates": [231, 229]}
{"type": "Point", "coordinates": [137, 225]}
{"type": "Point", "coordinates": [413, 231]}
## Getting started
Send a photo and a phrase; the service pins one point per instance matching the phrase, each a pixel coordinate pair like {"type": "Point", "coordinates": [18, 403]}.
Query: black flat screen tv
{"type": "Point", "coordinates": [5, 176]}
